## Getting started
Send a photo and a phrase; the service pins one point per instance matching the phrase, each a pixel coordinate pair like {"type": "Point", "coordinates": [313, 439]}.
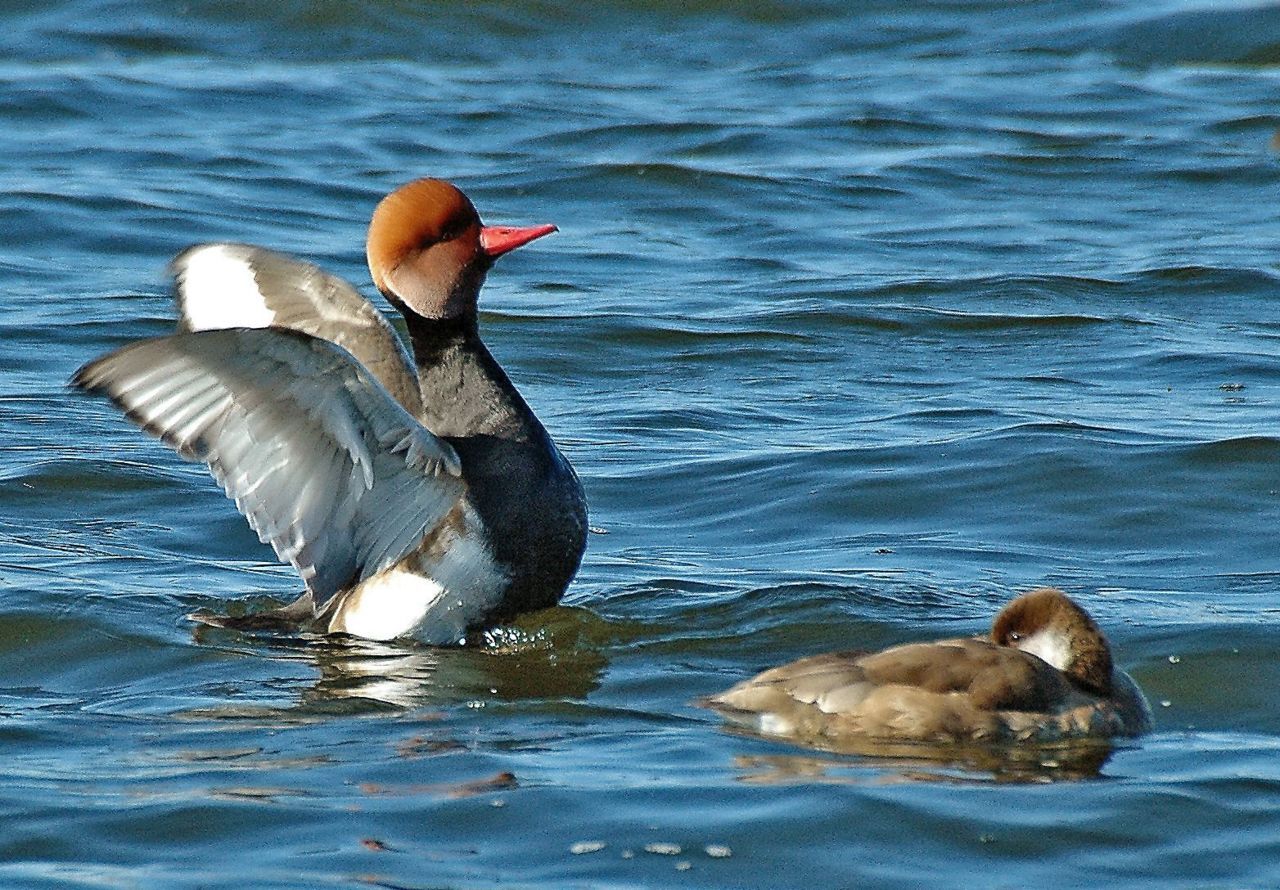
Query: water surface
{"type": "Point", "coordinates": [857, 323]}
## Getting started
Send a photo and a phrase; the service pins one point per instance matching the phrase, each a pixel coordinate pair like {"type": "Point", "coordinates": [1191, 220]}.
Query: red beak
{"type": "Point", "coordinates": [497, 240]}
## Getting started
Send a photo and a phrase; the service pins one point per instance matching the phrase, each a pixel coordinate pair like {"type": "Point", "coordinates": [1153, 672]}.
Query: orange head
{"type": "Point", "coordinates": [428, 251]}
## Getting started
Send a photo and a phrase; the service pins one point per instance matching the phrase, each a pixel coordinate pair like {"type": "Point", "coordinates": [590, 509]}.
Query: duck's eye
{"type": "Point", "coordinates": [448, 233]}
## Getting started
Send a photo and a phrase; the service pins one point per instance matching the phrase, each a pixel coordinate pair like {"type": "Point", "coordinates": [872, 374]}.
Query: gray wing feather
{"type": "Point", "coordinates": [292, 294]}
{"type": "Point", "coordinates": [328, 469]}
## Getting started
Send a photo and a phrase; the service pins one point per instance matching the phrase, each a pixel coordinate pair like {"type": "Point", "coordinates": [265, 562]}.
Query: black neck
{"type": "Point", "coordinates": [432, 338]}
{"type": "Point", "coordinates": [465, 392]}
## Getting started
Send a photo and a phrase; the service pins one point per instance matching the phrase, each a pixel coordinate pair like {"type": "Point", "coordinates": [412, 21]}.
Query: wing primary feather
{"type": "Point", "coordinates": [328, 468]}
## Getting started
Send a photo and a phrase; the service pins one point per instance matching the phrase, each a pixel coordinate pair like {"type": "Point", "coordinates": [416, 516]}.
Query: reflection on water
{"type": "Point", "coordinates": [380, 672]}
{"type": "Point", "coordinates": [880, 761]}
{"type": "Point", "coordinates": [405, 676]}
{"type": "Point", "coordinates": [357, 675]}
{"type": "Point", "coordinates": [503, 781]}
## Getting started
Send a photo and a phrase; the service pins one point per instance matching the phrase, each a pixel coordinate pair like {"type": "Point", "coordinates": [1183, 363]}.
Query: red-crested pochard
{"type": "Point", "coordinates": [413, 496]}
{"type": "Point", "coordinates": [1043, 675]}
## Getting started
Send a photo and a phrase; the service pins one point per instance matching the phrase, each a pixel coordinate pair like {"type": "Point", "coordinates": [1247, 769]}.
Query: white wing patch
{"type": "Point", "coordinates": [226, 285]}
{"type": "Point", "coordinates": [219, 289]}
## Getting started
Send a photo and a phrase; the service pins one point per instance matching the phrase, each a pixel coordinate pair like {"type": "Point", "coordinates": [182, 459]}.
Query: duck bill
{"type": "Point", "coordinates": [497, 240]}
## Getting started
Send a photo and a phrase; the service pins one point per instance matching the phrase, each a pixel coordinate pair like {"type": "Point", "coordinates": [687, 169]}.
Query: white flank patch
{"type": "Point", "coordinates": [434, 602]}
{"type": "Point", "coordinates": [1048, 646]}
{"type": "Point", "coordinates": [388, 605]}
{"type": "Point", "coordinates": [219, 290]}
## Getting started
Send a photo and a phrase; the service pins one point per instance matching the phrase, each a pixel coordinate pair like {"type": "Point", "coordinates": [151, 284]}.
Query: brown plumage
{"type": "Point", "coordinates": [1044, 674]}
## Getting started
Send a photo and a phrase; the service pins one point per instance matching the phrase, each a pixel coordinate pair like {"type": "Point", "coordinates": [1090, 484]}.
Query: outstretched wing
{"type": "Point", "coordinates": [329, 470]}
{"type": "Point", "coordinates": [218, 286]}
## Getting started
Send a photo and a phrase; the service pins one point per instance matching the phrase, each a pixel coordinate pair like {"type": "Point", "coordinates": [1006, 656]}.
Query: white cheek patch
{"type": "Point", "coordinates": [218, 290]}
{"type": "Point", "coordinates": [1049, 646]}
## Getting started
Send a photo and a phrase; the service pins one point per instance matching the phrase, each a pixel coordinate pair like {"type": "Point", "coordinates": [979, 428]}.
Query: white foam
{"type": "Point", "coordinates": [219, 290]}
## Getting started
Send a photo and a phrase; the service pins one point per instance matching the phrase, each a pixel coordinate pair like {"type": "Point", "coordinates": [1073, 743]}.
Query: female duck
{"type": "Point", "coordinates": [1043, 675]}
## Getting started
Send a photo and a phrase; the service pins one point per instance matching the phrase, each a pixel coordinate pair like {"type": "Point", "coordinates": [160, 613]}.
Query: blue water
{"type": "Point", "coordinates": [858, 322]}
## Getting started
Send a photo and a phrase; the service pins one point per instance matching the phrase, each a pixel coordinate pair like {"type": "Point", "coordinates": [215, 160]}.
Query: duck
{"type": "Point", "coordinates": [413, 489]}
{"type": "Point", "coordinates": [1044, 674]}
